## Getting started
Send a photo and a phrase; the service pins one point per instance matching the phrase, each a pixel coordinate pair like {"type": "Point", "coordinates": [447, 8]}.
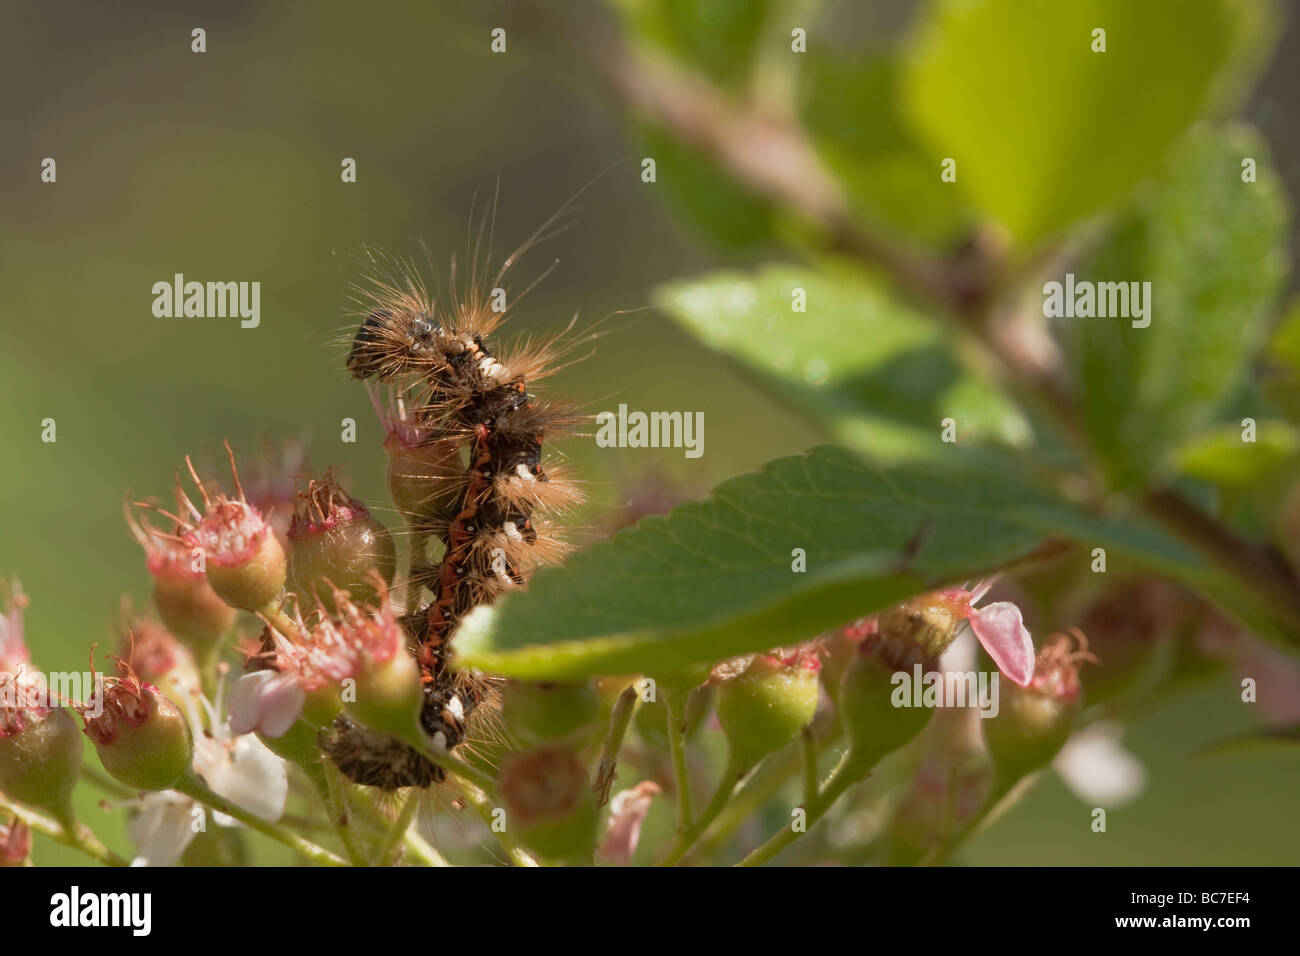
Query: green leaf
{"type": "Point", "coordinates": [717, 38]}
{"type": "Point", "coordinates": [852, 111]}
{"type": "Point", "coordinates": [1213, 249]}
{"type": "Point", "coordinates": [880, 375]}
{"type": "Point", "coordinates": [1220, 456]}
{"type": "Point", "coordinates": [715, 578]}
{"type": "Point", "coordinates": [1284, 736]}
{"type": "Point", "coordinates": [1044, 130]}
{"type": "Point", "coordinates": [706, 195]}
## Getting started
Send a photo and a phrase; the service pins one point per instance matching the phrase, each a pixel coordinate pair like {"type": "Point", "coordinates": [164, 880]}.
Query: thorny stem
{"type": "Point", "coordinates": [66, 831]}
{"type": "Point", "coordinates": [731, 776]}
{"type": "Point", "coordinates": [676, 710]}
{"type": "Point", "coordinates": [193, 786]}
{"type": "Point", "coordinates": [619, 718]}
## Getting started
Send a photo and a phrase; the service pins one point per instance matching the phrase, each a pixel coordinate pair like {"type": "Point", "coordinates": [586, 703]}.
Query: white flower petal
{"type": "Point", "coordinates": [1098, 769]}
{"type": "Point", "coordinates": [161, 829]}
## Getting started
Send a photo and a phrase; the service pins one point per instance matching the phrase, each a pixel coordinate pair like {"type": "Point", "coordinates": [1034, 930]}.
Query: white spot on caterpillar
{"type": "Point", "coordinates": [522, 471]}
{"type": "Point", "coordinates": [512, 531]}
{"type": "Point", "coordinates": [455, 708]}
{"type": "Point", "coordinates": [440, 742]}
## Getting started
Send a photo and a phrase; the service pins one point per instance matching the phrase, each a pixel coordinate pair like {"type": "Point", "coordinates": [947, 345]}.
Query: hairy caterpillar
{"type": "Point", "coordinates": [468, 434]}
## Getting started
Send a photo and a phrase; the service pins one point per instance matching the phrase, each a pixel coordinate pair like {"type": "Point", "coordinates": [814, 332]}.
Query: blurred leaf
{"type": "Point", "coordinates": [705, 195]}
{"type": "Point", "coordinates": [1212, 248]}
{"type": "Point", "coordinates": [1220, 456]}
{"type": "Point", "coordinates": [1288, 736]}
{"type": "Point", "coordinates": [716, 38]}
{"type": "Point", "coordinates": [1284, 344]}
{"type": "Point", "coordinates": [1044, 130]}
{"type": "Point", "coordinates": [851, 109]}
{"type": "Point", "coordinates": [1280, 384]}
{"type": "Point", "coordinates": [714, 578]}
{"type": "Point", "coordinates": [880, 374]}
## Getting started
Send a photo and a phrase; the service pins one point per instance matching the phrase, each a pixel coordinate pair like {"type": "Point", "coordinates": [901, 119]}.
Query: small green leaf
{"type": "Point", "coordinates": [1044, 130]}
{"type": "Point", "coordinates": [880, 374]}
{"type": "Point", "coordinates": [1213, 249]}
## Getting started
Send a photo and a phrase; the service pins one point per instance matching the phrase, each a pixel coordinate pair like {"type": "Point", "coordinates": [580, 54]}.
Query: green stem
{"type": "Point", "coordinates": [276, 617]}
{"type": "Point", "coordinates": [808, 752]}
{"type": "Point", "coordinates": [850, 770]}
{"type": "Point", "coordinates": [193, 786]}
{"type": "Point", "coordinates": [619, 719]}
{"type": "Point", "coordinates": [685, 840]}
{"type": "Point", "coordinates": [674, 705]}
{"type": "Point", "coordinates": [1006, 793]}
{"type": "Point", "coordinates": [388, 852]}
{"type": "Point", "coordinates": [333, 793]}
{"type": "Point", "coordinates": [763, 784]}
{"type": "Point", "coordinates": [483, 806]}
{"type": "Point", "coordinates": [454, 765]}
{"type": "Point", "coordinates": [106, 783]}
{"type": "Point", "coordinates": [65, 829]}
{"type": "Point", "coordinates": [422, 851]}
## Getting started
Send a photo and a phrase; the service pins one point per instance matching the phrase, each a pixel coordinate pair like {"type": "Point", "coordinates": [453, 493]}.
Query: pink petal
{"type": "Point", "coordinates": [1002, 631]}
{"type": "Point", "coordinates": [627, 811]}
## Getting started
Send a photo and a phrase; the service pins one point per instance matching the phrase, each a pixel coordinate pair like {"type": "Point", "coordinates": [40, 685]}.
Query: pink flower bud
{"type": "Point", "coordinates": [243, 559]}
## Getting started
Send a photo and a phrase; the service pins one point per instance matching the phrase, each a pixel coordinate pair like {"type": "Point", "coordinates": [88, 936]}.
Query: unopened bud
{"type": "Point", "coordinates": [334, 542]}
{"type": "Point", "coordinates": [534, 714]}
{"type": "Point", "coordinates": [550, 806]}
{"type": "Point", "coordinates": [40, 756]}
{"type": "Point", "coordinates": [1034, 722]}
{"type": "Point", "coordinates": [142, 738]}
{"type": "Point", "coordinates": [764, 707]}
{"type": "Point", "coordinates": [185, 600]}
{"type": "Point", "coordinates": [876, 727]}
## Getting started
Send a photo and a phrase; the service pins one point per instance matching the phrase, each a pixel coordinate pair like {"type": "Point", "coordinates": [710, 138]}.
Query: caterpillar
{"type": "Point", "coordinates": [471, 438]}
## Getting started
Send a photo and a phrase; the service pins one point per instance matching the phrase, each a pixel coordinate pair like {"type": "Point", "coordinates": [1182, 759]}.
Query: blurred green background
{"type": "Point", "coordinates": [226, 166]}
